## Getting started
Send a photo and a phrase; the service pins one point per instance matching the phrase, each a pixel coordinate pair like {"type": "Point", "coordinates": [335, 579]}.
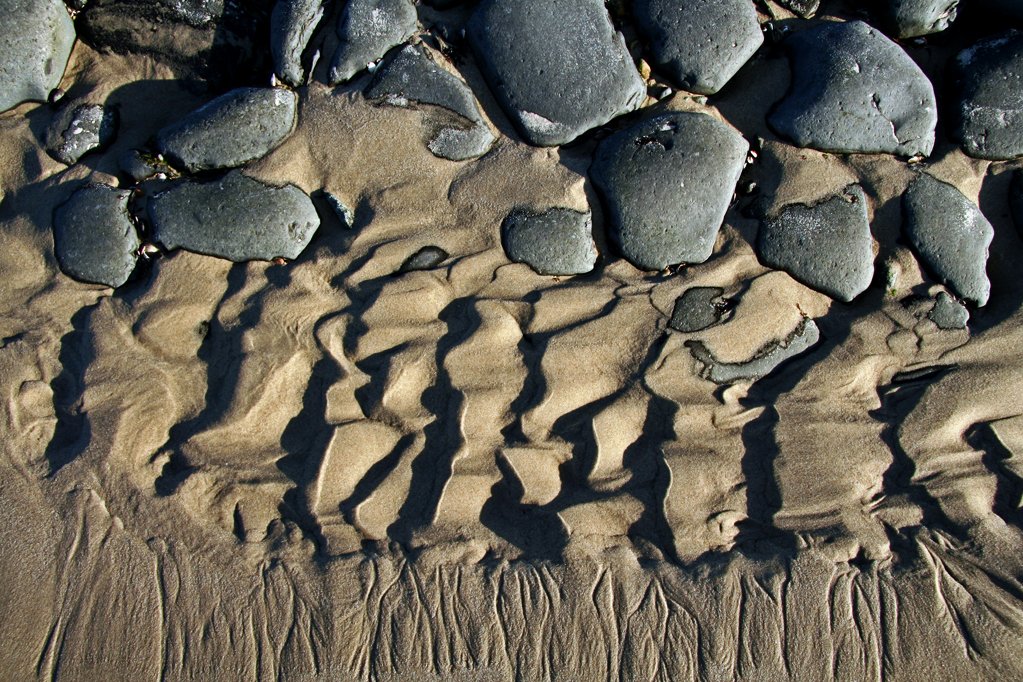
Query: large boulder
{"type": "Point", "coordinates": [989, 113]}
{"type": "Point", "coordinates": [35, 42]}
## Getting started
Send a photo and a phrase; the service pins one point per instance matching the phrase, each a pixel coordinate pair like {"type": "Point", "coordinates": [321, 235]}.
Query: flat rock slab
{"type": "Point", "coordinates": [410, 77]}
{"type": "Point", "coordinates": [367, 29]}
{"type": "Point", "coordinates": [79, 128]}
{"type": "Point", "coordinates": [911, 18]}
{"type": "Point", "coordinates": [94, 237]}
{"type": "Point", "coordinates": [558, 241]}
{"type": "Point", "coordinates": [558, 69]}
{"type": "Point", "coordinates": [35, 42]}
{"type": "Point", "coordinates": [236, 217]}
{"type": "Point", "coordinates": [239, 126]}
{"type": "Point", "coordinates": [699, 44]}
{"type": "Point", "coordinates": [855, 91]}
{"type": "Point", "coordinates": [767, 359]}
{"type": "Point", "coordinates": [696, 309]}
{"type": "Point", "coordinates": [826, 246]}
{"type": "Point", "coordinates": [292, 24]}
{"type": "Point", "coordinates": [950, 235]}
{"type": "Point", "coordinates": [990, 108]}
{"type": "Point", "coordinates": [948, 313]}
{"type": "Point", "coordinates": [667, 183]}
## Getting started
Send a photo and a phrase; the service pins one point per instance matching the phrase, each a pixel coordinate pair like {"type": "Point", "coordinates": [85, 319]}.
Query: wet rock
{"type": "Point", "coordinates": [367, 29]}
{"type": "Point", "coordinates": [804, 8]}
{"type": "Point", "coordinates": [854, 90]}
{"type": "Point", "coordinates": [291, 27]}
{"type": "Point", "coordinates": [35, 42]}
{"type": "Point", "coordinates": [236, 217]}
{"type": "Point", "coordinates": [696, 309]}
{"type": "Point", "coordinates": [989, 112]}
{"type": "Point", "coordinates": [911, 18]}
{"type": "Point", "coordinates": [79, 128]}
{"type": "Point", "coordinates": [805, 336]}
{"type": "Point", "coordinates": [411, 76]}
{"type": "Point", "coordinates": [233, 129]}
{"type": "Point", "coordinates": [1016, 199]}
{"type": "Point", "coordinates": [94, 237]}
{"type": "Point", "coordinates": [667, 182]}
{"type": "Point", "coordinates": [558, 69]}
{"type": "Point", "coordinates": [558, 241]}
{"type": "Point", "coordinates": [425, 258]}
{"type": "Point", "coordinates": [699, 44]}
{"type": "Point", "coordinates": [826, 246]}
{"type": "Point", "coordinates": [948, 313]}
{"type": "Point", "coordinates": [950, 235]}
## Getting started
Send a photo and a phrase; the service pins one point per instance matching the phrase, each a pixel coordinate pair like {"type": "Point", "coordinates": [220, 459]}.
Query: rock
{"type": "Point", "coordinates": [558, 241]}
{"type": "Point", "coordinates": [804, 8]}
{"type": "Point", "coordinates": [766, 360]}
{"type": "Point", "coordinates": [35, 42]}
{"type": "Point", "coordinates": [367, 29]}
{"type": "Point", "coordinates": [1016, 200]}
{"type": "Point", "coordinates": [141, 166]}
{"type": "Point", "coordinates": [411, 76]}
{"type": "Point", "coordinates": [94, 237]}
{"type": "Point", "coordinates": [826, 246]}
{"type": "Point", "coordinates": [233, 129]}
{"type": "Point", "coordinates": [425, 258]}
{"type": "Point", "coordinates": [236, 217]}
{"type": "Point", "coordinates": [695, 309]}
{"type": "Point", "coordinates": [291, 27]}
{"type": "Point", "coordinates": [558, 69]}
{"type": "Point", "coordinates": [948, 313]}
{"type": "Point", "coordinates": [345, 214]}
{"type": "Point", "coordinates": [989, 112]}
{"type": "Point", "coordinates": [79, 128]}
{"type": "Point", "coordinates": [699, 44]}
{"type": "Point", "coordinates": [911, 18]}
{"type": "Point", "coordinates": [855, 91]}
{"type": "Point", "coordinates": [950, 235]}
{"type": "Point", "coordinates": [667, 183]}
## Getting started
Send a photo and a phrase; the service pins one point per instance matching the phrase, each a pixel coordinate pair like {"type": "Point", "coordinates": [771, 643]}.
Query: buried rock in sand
{"type": "Point", "coordinates": [697, 309]}
{"type": "Point", "coordinates": [766, 360]}
{"type": "Point", "coordinates": [558, 241]}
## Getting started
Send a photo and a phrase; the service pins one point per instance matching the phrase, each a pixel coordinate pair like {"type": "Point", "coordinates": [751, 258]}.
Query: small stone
{"type": "Point", "coordinates": [425, 258]}
{"type": "Point", "coordinates": [855, 91]}
{"type": "Point", "coordinates": [911, 18]}
{"type": "Point", "coordinates": [696, 309]}
{"type": "Point", "coordinates": [412, 76]}
{"type": "Point", "coordinates": [94, 237]}
{"type": "Point", "coordinates": [558, 241]}
{"type": "Point", "coordinates": [989, 113]}
{"type": "Point", "coordinates": [367, 29]}
{"type": "Point", "coordinates": [35, 42]}
{"type": "Point", "coordinates": [291, 27]}
{"type": "Point", "coordinates": [558, 69]}
{"type": "Point", "coordinates": [80, 128]}
{"type": "Point", "coordinates": [948, 313]}
{"type": "Point", "coordinates": [767, 359]}
{"type": "Point", "coordinates": [950, 235]}
{"type": "Point", "coordinates": [667, 183]}
{"type": "Point", "coordinates": [236, 217]}
{"type": "Point", "coordinates": [139, 166]}
{"type": "Point", "coordinates": [699, 44]}
{"type": "Point", "coordinates": [239, 126]}
{"type": "Point", "coordinates": [345, 214]}
{"type": "Point", "coordinates": [804, 8]}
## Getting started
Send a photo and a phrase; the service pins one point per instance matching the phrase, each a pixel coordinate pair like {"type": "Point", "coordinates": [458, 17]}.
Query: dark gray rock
{"type": "Point", "coordinates": [291, 27]}
{"type": "Point", "coordinates": [94, 237]}
{"type": "Point", "coordinates": [803, 337]}
{"type": "Point", "coordinates": [79, 128]}
{"type": "Point", "coordinates": [911, 18]}
{"type": "Point", "coordinates": [950, 235]}
{"type": "Point", "coordinates": [367, 29]}
{"type": "Point", "coordinates": [233, 129]}
{"type": "Point", "coordinates": [989, 112]}
{"type": "Point", "coordinates": [343, 212]}
{"type": "Point", "coordinates": [1016, 199]}
{"type": "Point", "coordinates": [667, 183]}
{"type": "Point", "coordinates": [699, 44]}
{"type": "Point", "coordinates": [558, 69]}
{"type": "Point", "coordinates": [854, 90]}
{"type": "Point", "coordinates": [425, 258]}
{"type": "Point", "coordinates": [948, 313]}
{"type": "Point", "coordinates": [804, 8]}
{"type": "Point", "coordinates": [141, 166]}
{"type": "Point", "coordinates": [35, 42]}
{"type": "Point", "coordinates": [236, 217]}
{"type": "Point", "coordinates": [411, 76]}
{"type": "Point", "coordinates": [558, 241]}
{"type": "Point", "coordinates": [696, 309]}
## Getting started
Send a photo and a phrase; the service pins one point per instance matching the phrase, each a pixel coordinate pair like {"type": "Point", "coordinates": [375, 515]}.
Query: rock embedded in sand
{"type": "Point", "coordinates": [667, 182]}
{"type": "Point", "coordinates": [911, 18]}
{"type": "Point", "coordinates": [558, 241]}
{"type": "Point", "coordinates": [79, 128]}
{"type": "Point", "coordinates": [826, 246]}
{"type": "Point", "coordinates": [35, 42]}
{"type": "Point", "coordinates": [412, 76]}
{"type": "Point", "coordinates": [367, 29]}
{"type": "Point", "coordinates": [558, 69]}
{"type": "Point", "coordinates": [695, 309]}
{"type": "Point", "coordinates": [292, 24]}
{"type": "Point", "coordinates": [699, 44]}
{"type": "Point", "coordinates": [948, 313]}
{"type": "Point", "coordinates": [236, 217]}
{"type": "Point", "coordinates": [951, 236]}
{"type": "Point", "coordinates": [239, 126]}
{"type": "Point", "coordinates": [94, 237]}
{"type": "Point", "coordinates": [766, 360]}
{"type": "Point", "coordinates": [989, 112]}
{"type": "Point", "coordinates": [425, 258]}
{"type": "Point", "coordinates": [855, 91]}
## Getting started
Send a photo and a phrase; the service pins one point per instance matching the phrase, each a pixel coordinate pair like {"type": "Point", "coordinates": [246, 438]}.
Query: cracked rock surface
{"type": "Point", "coordinates": [990, 108]}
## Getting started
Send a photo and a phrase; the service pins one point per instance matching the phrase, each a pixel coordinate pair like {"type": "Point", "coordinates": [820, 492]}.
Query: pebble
{"type": "Point", "coordinates": [239, 126]}
{"type": "Point", "coordinates": [558, 241]}
{"type": "Point", "coordinates": [425, 258]}
{"type": "Point", "coordinates": [236, 217]}
{"type": "Point", "coordinates": [699, 44]}
{"type": "Point", "coordinates": [291, 27]}
{"type": "Point", "coordinates": [803, 8]}
{"type": "Point", "coordinates": [94, 237]}
{"type": "Point", "coordinates": [805, 336]}
{"type": "Point", "coordinates": [667, 182]}
{"type": "Point", "coordinates": [695, 309]}
{"type": "Point", "coordinates": [35, 42]}
{"type": "Point", "coordinates": [912, 18]}
{"type": "Point", "coordinates": [948, 313]}
{"type": "Point", "coordinates": [343, 212]}
{"type": "Point", "coordinates": [989, 110]}
{"type": "Point", "coordinates": [950, 235]}
{"type": "Point", "coordinates": [79, 128]}
{"type": "Point", "coordinates": [558, 69]}
{"type": "Point", "coordinates": [367, 29]}
{"type": "Point", "coordinates": [855, 91]}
